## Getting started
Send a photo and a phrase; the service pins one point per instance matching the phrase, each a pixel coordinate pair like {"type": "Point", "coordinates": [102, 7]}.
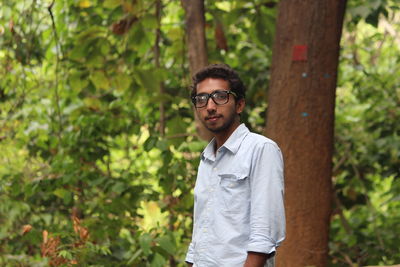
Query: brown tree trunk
{"type": "Point", "coordinates": [195, 34]}
{"type": "Point", "coordinates": [301, 119]}
{"type": "Point", "coordinates": [197, 46]}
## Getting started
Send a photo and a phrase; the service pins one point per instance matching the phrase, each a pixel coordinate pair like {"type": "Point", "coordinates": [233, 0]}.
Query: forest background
{"type": "Point", "coordinates": [99, 147]}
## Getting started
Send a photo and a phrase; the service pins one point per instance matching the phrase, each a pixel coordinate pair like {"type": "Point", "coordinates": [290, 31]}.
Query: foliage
{"type": "Point", "coordinates": [367, 166]}
{"type": "Point", "coordinates": [87, 176]}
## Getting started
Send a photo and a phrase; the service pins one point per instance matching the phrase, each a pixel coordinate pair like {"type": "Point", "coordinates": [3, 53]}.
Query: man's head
{"type": "Point", "coordinates": [218, 95]}
{"type": "Point", "coordinates": [220, 71]}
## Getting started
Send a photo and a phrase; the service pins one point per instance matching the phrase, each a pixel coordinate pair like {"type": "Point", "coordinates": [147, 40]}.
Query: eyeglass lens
{"type": "Point", "coordinates": [219, 98]}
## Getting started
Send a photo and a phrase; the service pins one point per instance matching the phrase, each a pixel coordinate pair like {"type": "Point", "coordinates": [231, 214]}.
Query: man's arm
{"type": "Point", "coordinates": [267, 214]}
{"type": "Point", "coordinates": [256, 259]}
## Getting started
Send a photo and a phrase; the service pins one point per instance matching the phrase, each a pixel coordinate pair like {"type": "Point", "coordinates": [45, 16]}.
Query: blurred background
{"type": "Point", "coordinates": [99, 146]}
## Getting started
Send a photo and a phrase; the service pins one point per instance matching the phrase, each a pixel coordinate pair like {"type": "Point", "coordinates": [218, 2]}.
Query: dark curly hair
{"type": "Point", "coordinates": [220, 71]}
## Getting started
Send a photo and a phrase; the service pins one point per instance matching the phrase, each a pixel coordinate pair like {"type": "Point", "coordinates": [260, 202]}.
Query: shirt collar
{"type": "Point", "coordinates": [235, 140]}
{"type": "Point", "coordinates": [232, 144]}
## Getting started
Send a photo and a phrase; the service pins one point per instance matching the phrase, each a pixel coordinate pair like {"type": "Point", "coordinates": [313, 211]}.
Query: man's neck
{"type": "Point", "coordinates": [220, 138]}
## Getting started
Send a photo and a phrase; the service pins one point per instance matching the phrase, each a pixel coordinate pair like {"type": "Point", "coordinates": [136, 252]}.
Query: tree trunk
{"type": "Point", "coordinates": [197, 47]}
{"type": "Point", "coordinates": [195, 34]}
{"type": "Point", "coordinates": [301, 119]}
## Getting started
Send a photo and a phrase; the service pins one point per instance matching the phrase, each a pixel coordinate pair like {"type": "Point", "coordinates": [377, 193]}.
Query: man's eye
{"type": "Point", "coordinates": [201, 98]}
{"type": "Point", "coordinates": [220, 95]}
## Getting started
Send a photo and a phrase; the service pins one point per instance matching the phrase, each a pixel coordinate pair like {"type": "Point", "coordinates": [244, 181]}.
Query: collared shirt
{"type": "Point", "coordinates": [238, 201]}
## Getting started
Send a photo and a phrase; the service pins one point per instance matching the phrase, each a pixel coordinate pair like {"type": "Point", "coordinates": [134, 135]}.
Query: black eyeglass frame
{"type": "Point", "coordinates": [228, 92]}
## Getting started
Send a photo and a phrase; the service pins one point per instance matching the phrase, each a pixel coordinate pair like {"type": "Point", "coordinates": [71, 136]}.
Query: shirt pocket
{"type": "Point", "coordinates": [234, 191]}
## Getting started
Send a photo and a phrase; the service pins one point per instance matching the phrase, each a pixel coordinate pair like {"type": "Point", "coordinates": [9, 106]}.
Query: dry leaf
{"type": "Point", "coordinates": [121, 27]}
{"type": "Point", "coordinates": [45, 235]}
{"type": "Point", "coordinates": [26, 229]}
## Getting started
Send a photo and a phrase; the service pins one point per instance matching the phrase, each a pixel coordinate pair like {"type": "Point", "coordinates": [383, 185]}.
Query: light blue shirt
{"type": "Point", "coordinates": [238, 201]}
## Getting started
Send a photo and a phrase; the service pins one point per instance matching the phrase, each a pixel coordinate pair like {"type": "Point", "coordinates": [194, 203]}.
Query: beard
{"type": "Point", "coordinates": [226, 124]}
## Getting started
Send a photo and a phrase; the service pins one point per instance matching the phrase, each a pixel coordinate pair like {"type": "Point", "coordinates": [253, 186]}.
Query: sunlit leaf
{"type": "Point", "coordinates": [121, 81]}
{"type": "Point", "coordinates": [92, 102]}
{"type": "Point", "coordinates": [85, 3]}
{"type": "Point", "coordinates": [77, 82]}
{"type": "Point", "coordinates": [112, 3]}
{"type": "Point", "coordinates": [100, 80]}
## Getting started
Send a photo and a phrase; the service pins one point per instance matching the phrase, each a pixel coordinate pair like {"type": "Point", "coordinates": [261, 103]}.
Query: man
{"type": "Point", "coordinates": [239, 217]}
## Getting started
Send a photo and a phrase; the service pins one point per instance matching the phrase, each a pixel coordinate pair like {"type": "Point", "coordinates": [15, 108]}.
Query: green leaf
{"type": "Point", "coordinates": [104, 47]}
{"type": "Point", "coordinates": [118, 187]}
{"type": "Point", "coordinates": [125, 234]}
{"type": "Point", "coordinates": [135, 256]}
{"type": "Point", "coordinates": [60, 192]}
{"type": "Point", "coordinates": [149, 21]}
{"type": "Point", "coordinates": [150, 143]}
{"type": "Point", "coordinates": [65, 195]}
{"type": "Point", "coordinates": [121, 81]}
{"type": "Point", "coordinates": [162, 145]}
{"type": "Point", "coordinates": [167, 244]}
{"type": "Point", "coordinates": [95, 59]}
{"type": "Point", "coordinates": [148, 80]}
{"type": "Point", "coordinates": [92, 102]}
{"type": "Point", "coordinates": [77, 83]}
{"type": "Point", "coordinates": [89, 34]}
{"type": "Point", "coordinates": [65, 254]}
{"type": "Point", "coordinates": [100, 80]}
{"type": "Point", "coordinates": [112, 3]}
{"type": "Point", "coordinates": [158, 261]}
{"type": "Point", "coordinates": [145, 243]}
{"type": "Point", "coordinates": [79, 52]}
{"type": "Point", "coordinates": [362, 11]}
{"type": "Point", "coordinates": [175, 128]}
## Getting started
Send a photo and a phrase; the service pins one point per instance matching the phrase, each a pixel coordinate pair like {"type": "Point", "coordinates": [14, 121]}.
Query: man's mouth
{"type": "Point", "coordinates": [213, 118]}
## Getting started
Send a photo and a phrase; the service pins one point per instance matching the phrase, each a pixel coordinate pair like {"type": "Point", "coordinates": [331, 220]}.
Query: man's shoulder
{"type": "Point", "coordinates": [256, 139]}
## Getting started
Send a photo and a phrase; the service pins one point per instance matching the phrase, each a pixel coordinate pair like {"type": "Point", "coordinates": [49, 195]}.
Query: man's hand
{"type": "Point", "coordinates": [256, 259]}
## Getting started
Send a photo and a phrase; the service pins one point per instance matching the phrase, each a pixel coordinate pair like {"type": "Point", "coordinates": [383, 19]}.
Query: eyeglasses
{"type": "Point", "coordinates": [220, 97]}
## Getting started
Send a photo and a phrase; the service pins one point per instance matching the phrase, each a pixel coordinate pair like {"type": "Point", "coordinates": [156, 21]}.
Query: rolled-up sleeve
{"type": "Point", "coordinates": [190, 253]}
{"type": "Point", "coordinates": [267, 214]}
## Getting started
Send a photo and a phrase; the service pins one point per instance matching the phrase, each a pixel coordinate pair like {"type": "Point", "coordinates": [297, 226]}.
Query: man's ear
{"type": "Point", "coordinates": [240, 105]}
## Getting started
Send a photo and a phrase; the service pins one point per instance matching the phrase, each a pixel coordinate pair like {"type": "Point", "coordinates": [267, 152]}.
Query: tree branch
{"type": "Point", "coordinates": [56, 93]}
{"type": "Point", "coordinates": [157, 62]}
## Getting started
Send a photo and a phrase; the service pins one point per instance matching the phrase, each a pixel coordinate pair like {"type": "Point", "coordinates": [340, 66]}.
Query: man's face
{"type": "Point", "coordinates": [218, 118]}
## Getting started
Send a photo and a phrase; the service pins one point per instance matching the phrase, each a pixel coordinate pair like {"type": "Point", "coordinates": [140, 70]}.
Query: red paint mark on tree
{"type": "Point", "coordinates": [300, 53]}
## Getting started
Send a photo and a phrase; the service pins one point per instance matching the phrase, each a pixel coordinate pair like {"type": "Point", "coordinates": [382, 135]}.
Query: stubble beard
{"type": "Point", "coordinates": [226, 125]}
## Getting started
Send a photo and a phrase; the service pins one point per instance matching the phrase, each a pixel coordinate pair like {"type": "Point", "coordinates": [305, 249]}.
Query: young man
{"type": "Point", "coordinates": [239, 217]}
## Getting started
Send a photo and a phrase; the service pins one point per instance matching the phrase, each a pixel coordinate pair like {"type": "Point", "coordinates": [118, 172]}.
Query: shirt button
{"type": "Point", "coordinates": [214, 169]}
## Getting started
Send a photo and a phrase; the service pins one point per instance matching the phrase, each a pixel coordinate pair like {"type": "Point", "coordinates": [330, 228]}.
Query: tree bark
{"type": "Point", "coordinates": [301, 119]}
{"type": "Point", "coordinates": [195, 34]}
{"type": "Point", "coordinates": [197, 47]}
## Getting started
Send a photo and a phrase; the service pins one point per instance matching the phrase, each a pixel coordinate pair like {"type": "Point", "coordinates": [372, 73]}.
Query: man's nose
{"type": "Point", "coordinates": [211, 104]}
